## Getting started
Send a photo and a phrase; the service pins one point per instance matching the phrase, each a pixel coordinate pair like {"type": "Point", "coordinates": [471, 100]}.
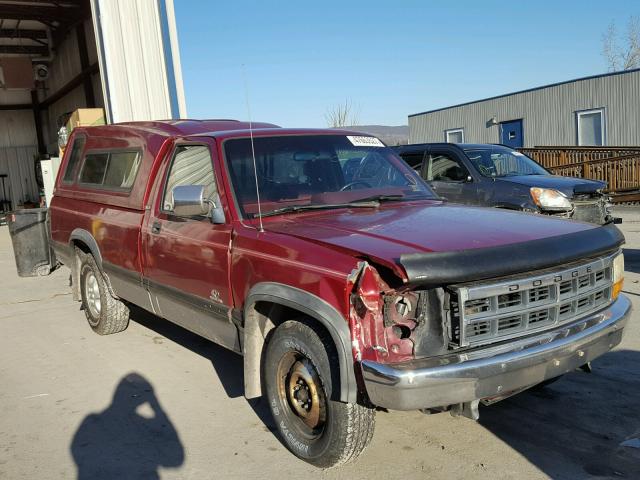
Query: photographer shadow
{"type": "Point", "coordinates": [131, 438]}
{"type": "Point", "coordinates": [227, 364]}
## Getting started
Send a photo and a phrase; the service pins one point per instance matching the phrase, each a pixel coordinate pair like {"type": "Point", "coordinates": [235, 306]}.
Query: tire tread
{"type": "Point", "coordinates": [356, 422]}
{"type": "Point", "coordinates": [114, 315]}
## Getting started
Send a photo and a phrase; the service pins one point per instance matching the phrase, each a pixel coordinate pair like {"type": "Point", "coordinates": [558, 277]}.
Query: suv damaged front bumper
{"type": "Point", "coordinates": [495, 371]}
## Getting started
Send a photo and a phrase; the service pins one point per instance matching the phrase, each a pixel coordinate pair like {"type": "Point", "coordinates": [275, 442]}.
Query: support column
{"type": "Point", "coordinates": [87, 83]}
{"type": "Point", "coordinates": [35, 106]}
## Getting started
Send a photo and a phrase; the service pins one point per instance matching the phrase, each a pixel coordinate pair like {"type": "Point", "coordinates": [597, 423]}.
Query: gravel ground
{"type": "Point", "coordinates": [158, 402]}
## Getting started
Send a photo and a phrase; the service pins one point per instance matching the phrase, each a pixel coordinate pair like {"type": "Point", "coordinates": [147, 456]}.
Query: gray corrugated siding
{"type": "Point", "coordinates": [139, 81]}
{"type": "Point", "coordinates": [548, 114]}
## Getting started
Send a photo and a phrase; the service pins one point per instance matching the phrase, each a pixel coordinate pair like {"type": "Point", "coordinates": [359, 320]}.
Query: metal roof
{"type": "Point", "coordinates": [24, 24]}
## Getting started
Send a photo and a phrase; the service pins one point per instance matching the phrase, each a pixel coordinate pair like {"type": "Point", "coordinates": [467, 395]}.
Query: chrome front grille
{"type": "Point", "coordinates": [487, 312]}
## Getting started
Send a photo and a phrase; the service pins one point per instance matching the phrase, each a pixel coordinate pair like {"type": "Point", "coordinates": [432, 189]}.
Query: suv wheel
{"type": "Point", "coordinates": [297, 377]}
{"type": "Point", "coordinates": [104, 313]}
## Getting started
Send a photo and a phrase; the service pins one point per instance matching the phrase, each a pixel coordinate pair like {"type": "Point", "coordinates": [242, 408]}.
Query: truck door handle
{"type": "Point", "coordinates": [155, 228]}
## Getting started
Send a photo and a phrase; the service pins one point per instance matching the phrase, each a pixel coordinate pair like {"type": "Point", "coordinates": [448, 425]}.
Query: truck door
{"type": "Point", "coordinates": [186, 258]}
{"type": "Point", "coordinates": [449, 177]}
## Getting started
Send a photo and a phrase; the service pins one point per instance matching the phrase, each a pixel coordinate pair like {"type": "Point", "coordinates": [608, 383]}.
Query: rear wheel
{"type": "Point", "coordinates": [297, 375]}
{"type": "Point", "coordinates": [104, 313]}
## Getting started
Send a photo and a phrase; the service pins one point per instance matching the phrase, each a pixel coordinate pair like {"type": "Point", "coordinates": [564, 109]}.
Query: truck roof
{"type": "Point", "coordinates": [190, 126]}
{"type": "Point", "coordinates": [422, 146]}
{"type": "Point", "coordinates": [210, 127]}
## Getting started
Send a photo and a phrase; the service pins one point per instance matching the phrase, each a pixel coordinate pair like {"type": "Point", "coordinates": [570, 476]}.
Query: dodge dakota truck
{"type": "Point", "coordinates": [320, 256]}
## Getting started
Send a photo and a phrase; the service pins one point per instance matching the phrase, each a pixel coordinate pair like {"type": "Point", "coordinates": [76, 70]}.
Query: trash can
{"type": "Point", "coordinates": [29, 230]}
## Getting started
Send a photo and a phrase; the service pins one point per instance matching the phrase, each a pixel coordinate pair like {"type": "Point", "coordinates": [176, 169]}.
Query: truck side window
{"type": "Point", "coordinates": [110, 170]}
{"type": "Point", "coordinates": [191, 165]}
{"type": "Point", "coordinates": [94, 168]}
{"type": "Point", "coordinates": [444, 168]}
{"type": "Point", "coordinates": [74, 158]}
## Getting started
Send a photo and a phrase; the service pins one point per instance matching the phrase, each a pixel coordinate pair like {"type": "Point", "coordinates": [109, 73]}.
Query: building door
{"type": "Point", "coordinates": [511, 134]}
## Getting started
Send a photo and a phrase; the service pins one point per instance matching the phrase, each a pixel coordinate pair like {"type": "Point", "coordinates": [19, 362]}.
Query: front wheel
{"type": "Point", "coordinates": [297, 374]}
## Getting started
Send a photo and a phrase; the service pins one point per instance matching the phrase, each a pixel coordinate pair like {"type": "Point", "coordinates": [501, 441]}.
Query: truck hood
{"type": "Point", "coordinates": [387, 233]}
{"type": "Point", "coordinates": [567, 185]}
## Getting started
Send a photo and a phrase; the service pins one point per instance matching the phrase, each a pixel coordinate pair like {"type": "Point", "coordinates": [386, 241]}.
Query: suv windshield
{"type": "Point", "coordinates": [318, 171]}
{"type": "Point", "coordinates": [499, 161]}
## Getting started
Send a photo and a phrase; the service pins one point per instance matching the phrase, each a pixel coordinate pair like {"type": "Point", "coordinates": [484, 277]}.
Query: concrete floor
{"type": "Point", "coordinates": [158, 402]}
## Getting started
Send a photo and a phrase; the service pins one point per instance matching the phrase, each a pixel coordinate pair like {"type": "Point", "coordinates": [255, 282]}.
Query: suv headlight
{"type": "Point", "coordinates": [618, 275]}
{"type": "Point", "coordinates": [550, 199]}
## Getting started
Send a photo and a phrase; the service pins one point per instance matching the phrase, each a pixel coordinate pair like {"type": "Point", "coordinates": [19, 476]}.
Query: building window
{"type": "Point", "coordinates": [591, 127]}
{"type": "Point", "coordinates": [455, 135]}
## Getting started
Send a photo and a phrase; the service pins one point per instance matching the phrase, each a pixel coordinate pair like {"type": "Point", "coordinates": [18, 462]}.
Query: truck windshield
{"type": "Point", "coordinates": [499, 161]}
{"type": "Point", "coordinates": [296, 172]}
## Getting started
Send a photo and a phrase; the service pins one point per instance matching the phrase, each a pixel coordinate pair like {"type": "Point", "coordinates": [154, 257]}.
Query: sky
{"type": "Point", "coordinates": [295, 61]}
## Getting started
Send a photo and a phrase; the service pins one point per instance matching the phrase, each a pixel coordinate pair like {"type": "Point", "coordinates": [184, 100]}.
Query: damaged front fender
{"type": "Point", "coordinates": [381, 319]}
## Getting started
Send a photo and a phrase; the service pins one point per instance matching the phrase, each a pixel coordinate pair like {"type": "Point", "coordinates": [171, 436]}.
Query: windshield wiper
{"type": "Point", "coordinates": [380, 198]}
{"type": "Point", "coordinates": [326, 206]}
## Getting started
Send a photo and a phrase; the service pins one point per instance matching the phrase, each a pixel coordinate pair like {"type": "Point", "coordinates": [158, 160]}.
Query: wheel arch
{"type": "Point", "coordinates": [82, 236]}
{"type": "Point", "coordinates": [257, 327]}
{"type": "Point", "coordinates": [85, 241]}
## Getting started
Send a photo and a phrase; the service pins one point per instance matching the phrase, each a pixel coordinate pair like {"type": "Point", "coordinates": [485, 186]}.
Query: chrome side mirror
{"type": "Point", "coordinates": [189, 201]}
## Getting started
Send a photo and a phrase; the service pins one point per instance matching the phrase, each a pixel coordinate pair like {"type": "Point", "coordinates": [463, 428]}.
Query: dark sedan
{"type": "Point", "coordinates": [498, 176]}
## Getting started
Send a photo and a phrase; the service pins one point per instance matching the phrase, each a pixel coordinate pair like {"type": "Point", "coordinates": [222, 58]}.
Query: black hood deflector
{"type": "Point", "coordinates": [461, 266]}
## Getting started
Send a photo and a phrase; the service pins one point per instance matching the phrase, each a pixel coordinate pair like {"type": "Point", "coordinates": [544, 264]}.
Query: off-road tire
{"type": "Point", "coordinates": [114, 314]}
{"type": "Point", "coordinates": [348, 427]}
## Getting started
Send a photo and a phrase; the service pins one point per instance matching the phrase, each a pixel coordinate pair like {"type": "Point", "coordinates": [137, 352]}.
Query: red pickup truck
{"type": "Point", "coordinates": [344, 281]}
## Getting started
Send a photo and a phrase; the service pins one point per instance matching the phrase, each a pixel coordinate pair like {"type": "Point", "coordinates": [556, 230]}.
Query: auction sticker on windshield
{"type": "Point", "coordinates": [362, 141]}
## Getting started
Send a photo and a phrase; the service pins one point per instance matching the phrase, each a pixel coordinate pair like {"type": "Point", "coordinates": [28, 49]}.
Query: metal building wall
{"type": "Point", "coordinates": [548, 113]}
{"type": "Point", "coordinates": [17, 127]}
{"type": "Point", "coordinates": [139, 59]}
{"type": "Point", "coordinates": [19, 164]}
{"type": "Point", "coordinates": [18, 147]}
{"type": "Point", "coordinates": [64, 66]}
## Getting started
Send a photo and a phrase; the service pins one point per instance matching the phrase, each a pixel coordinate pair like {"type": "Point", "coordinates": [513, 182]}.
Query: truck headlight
{"type": "Point", "coordinates": [550, 199]}
{"type": "Point", "coordinates": [618, 275]}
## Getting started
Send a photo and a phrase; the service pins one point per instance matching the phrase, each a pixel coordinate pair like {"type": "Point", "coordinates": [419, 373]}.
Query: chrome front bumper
{"type": "Point", "coordinates": [495, 371]}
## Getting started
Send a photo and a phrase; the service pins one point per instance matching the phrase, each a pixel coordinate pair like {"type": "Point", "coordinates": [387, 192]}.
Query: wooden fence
{"type": "Point", "coordinates": [618, 166]}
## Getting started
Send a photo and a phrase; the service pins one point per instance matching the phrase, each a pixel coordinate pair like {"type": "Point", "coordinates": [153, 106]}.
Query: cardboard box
{"type": "Point", "coordinates": [85, 117]}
